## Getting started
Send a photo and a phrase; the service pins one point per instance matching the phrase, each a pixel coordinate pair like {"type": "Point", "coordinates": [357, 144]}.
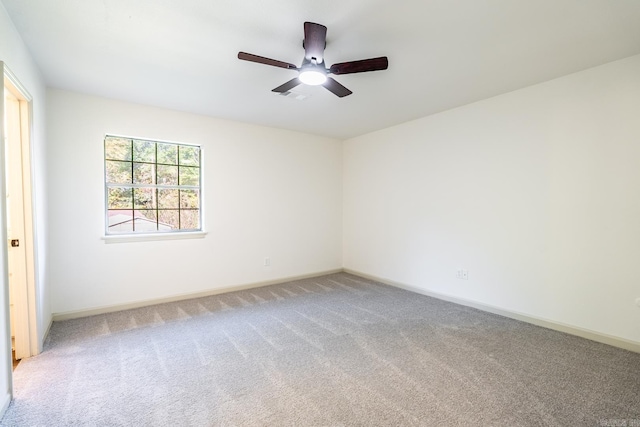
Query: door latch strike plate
{"type": "Point", "coordinates": [15, 243]}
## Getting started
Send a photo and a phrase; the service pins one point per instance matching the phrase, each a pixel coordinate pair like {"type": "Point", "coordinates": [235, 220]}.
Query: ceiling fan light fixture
{"type": "Point", "coordinates": [313, 71]}
{"type": "Point", "coordinates": [312, 77]}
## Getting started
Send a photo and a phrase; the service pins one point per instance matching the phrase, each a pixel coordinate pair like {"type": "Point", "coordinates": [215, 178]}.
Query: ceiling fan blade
{"type": "Point", "coordinates": [315, 40]}
{"type": "Point", "coordinates": [287, 86]}
{"type": "Point", "coordinates": [373, 64]}
{"type": "Point", "coordinates": [336, 88]}
{"type": "Point", "coordinates": [267, 61]}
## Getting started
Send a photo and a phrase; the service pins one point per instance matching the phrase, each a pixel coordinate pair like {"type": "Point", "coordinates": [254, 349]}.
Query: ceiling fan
{"type": "Point", "coordinates": [313, 71]}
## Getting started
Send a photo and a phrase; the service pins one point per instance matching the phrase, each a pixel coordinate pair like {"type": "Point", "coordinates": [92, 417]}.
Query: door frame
{"type": "Point", "coordinates": [26, 326]}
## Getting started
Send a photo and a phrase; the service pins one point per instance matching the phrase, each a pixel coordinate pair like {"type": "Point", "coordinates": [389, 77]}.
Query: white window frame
{"type": "Point", "coordinates": [113, 237]}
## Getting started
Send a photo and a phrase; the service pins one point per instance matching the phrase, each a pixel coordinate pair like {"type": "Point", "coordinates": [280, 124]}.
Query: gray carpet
{"type": "Point", "coordinates": [337, 350]}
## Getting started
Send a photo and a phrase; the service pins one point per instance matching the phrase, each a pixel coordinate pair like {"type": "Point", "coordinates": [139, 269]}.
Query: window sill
{"type": "Point", "coordinates": [124, 238]}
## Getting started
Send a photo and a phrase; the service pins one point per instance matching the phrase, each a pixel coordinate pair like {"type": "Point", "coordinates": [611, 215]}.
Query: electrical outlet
{"type": "Point", "coordinates": [638, 302]}
{"type": "Point", "coordinates": [267, 262]}
{"type": "Point", "coordinates": [465, 274]}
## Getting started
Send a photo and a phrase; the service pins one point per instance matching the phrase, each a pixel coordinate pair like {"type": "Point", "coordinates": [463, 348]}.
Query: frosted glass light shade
{"type": "Point", "coordinates": [312, 77]}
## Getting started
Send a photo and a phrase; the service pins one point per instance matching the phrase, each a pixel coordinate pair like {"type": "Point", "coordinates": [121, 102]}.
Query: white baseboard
{"type": "Point", "coordinates": [6, 400]}
{"type": "Point", "coordinates": [180, 297]}
{"type": "Point", "coordinates": [45, 335]}
{"type": "Point", "coordinates": [545, 323]}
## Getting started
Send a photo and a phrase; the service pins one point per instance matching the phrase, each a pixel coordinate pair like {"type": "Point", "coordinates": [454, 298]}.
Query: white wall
{"type": "Point", "coordinates": [17, 58]}
{"type": "Point", "coordinates": [267, 192]}
{"type": "Point", "coordinates": [535, 192]}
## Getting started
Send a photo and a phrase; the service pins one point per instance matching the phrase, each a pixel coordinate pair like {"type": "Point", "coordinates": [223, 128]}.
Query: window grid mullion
{"type": "Point", "coordinates": [179, 182]}
{"type": "Point", "coordinates": [157, 208]}
{"type": "Point", "coordinates": [162, 187]}
{"type": "Point", "coordinates": [155, 181]}
{"type": "Point", "coordinates": [133, 193]}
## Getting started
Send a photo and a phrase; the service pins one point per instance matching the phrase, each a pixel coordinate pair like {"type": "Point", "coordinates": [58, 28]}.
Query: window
{"type": "Point", "coordinates": [151, 186]}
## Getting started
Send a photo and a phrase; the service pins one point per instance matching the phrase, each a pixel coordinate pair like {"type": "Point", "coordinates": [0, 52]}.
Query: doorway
{"type": "Point", "coordinates": [19, 218]}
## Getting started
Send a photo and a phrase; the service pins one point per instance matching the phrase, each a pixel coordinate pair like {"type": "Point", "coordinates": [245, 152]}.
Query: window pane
{"type": "Point", "coordinates": [118, 172]}
{"type": "Point", "coordinates": [168, 199]}
{"type": "Point", "coordinates": [190, 219]}
{"type": "Point", "coordinates": [189, 176]}
{"type": "Point", "coordinates": [144, 151]}
{"type": "Point", "coordinates": [117, 148]}
{"type": "Point", "coordinates": [167, 153]}
{"type": "Point", "coordinates": [144, 198]}
{"type": "Point", "coordinates": [120, 198]}
{"type": "Point", "coordinates": [144, 173]}
{"type": "Point", "coordinates": [168, 220]}
{"type": "Point", "coordinates": [145, 221]}
{"type": "Point", "coordinates": [120, 221]}
{"type": "Point", "coordinates": [189, 198]}
{"type": "Point", "coordinates": [189, 156]}
{"type": "Point", "coordinates": [167, 175]}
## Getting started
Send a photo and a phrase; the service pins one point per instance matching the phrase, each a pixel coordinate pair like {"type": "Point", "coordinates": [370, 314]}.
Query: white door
{"type": "Point", "coordinates": [17, 247]}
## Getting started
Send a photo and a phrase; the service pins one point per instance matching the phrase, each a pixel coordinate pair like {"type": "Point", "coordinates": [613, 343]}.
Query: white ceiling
{"type": "Point", "coordinates": [182, 54]}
